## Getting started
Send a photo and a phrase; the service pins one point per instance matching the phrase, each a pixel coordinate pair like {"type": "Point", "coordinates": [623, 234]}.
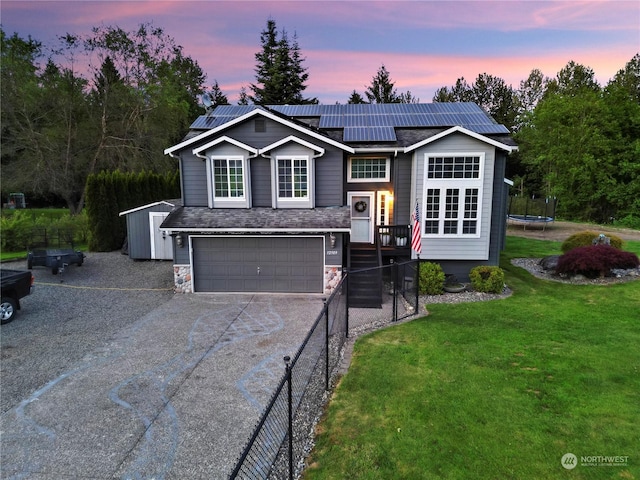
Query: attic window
{"type": "Point", "coordinates": [261, 125]}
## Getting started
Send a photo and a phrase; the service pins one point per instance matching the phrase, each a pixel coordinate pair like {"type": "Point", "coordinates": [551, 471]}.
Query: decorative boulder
{"type": "Point", "coordinates": [550, 262]}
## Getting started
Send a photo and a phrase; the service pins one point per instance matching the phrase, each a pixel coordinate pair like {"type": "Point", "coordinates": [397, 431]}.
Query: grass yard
{"type": "Point", "coordinates": [494, 390]}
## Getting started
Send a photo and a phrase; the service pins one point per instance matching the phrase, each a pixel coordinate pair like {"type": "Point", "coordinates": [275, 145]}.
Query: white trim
{"type": "Point", "coordinates": [174, 230]}
{"type": "Point", "coordinates": [162, 202]}
{"type": "Point", "coordinates": [293, 202]}
{"type": "Point", "coordinates": [292, 138]}
{"type": "Point", "coordinates": [152, 235]}
{"type": "Point", "coordinates": [372, 210]}
{"type": "Point", "coordinates": [458, 129]}
{"type": "Point", "coordinates": [462, 184]}
{"type": "Point", "coordinates": [248, 115]}
{"type": "Point", "coordinates": [233, 202]}
{"type": "Point", "coordinates": [386, 178]}
{"type": "Point", "coordinates": [224, 138]}
{"type": "Point", "coordinates": [388, 200]}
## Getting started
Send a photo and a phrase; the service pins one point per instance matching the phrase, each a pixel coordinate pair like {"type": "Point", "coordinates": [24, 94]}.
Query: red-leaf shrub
{"type": "Point", "coordinates": [595, 260]}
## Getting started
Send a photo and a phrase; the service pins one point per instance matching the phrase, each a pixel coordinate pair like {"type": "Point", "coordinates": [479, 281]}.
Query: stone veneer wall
{"type": "Point", "coordinates": [332, 276]}
{"type": "Point", "coordinates": [182, 279]}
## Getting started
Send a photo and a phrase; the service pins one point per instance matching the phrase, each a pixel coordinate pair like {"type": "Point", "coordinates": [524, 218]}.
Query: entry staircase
{"type": "Point", "coordinates": [365, 278]}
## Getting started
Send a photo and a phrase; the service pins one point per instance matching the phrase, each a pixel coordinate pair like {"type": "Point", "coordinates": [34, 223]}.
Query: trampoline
{"type": "Point", "coordinates": [538, 212]}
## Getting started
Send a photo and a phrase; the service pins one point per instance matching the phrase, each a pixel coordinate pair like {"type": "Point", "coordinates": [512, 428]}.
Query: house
{"type": "Point", "coordinates": [284, 198]}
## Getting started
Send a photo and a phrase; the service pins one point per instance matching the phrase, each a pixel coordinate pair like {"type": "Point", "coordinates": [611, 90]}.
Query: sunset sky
{"type": "Point", "coordinates": [423, 44]}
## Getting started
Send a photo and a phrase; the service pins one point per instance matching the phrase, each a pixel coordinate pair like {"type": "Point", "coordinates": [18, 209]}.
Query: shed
{"type": "Point", "coordinates": [144, 239]}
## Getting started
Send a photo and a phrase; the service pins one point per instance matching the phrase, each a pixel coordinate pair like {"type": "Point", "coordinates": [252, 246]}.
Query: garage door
{"type": "Point", "coordinates": [258, 264]}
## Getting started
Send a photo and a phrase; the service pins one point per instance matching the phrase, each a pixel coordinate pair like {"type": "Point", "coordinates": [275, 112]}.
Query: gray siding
{"type": "Point", "coordinates": [261, 182]}
{"type": "Point", "coordinates": [181, 254]}
{"type": "Point", "coordinates": [403, 203]}
{"type": "Point", "coordinates": [329, 178]}
{"type": "Point", "coordinates": [328, 168]}
{"type": "Point", "coordinates": [194, 179]}
{"type": "Point", "coordinates": [139, 233]}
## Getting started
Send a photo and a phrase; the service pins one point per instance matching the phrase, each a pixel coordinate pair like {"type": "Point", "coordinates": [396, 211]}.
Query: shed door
{"type": "Point", "coordinates": [258, 264]}
{"type": "Point", "coordinates": [161, 246]}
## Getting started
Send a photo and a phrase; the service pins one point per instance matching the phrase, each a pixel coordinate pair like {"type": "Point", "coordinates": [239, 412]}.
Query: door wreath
{"type": "Point", "coordinates": [361, 206]}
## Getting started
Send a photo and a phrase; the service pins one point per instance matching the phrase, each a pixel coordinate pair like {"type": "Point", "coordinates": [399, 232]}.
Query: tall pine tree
{"type": "Point", "coordinates": [280, 75]}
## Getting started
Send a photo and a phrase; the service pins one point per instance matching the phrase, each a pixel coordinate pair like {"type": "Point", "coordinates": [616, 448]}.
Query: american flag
{"type": "Point", "coordinates": [416, 241]}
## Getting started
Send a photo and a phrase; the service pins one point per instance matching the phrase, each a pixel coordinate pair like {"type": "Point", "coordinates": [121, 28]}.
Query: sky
{"type": "Point", "coordinates": [423, 44]}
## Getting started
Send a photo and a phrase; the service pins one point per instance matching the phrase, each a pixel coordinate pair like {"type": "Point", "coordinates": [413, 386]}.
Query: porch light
{"type": "Point", "coordinates": [179, 241]}
{"type": "Point", "coordinates": [332, 240]}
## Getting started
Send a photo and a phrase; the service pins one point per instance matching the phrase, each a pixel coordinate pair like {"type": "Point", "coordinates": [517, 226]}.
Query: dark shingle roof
{"type": "Point", "coordinates": [259, 219]}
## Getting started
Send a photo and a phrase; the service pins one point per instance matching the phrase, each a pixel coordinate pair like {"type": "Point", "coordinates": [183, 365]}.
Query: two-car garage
{"type": "Point", "coordinates": [267, 263]}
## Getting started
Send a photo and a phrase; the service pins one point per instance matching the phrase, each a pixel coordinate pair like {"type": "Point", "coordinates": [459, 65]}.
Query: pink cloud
{"type": "Point", "coordinates": [337, 74]}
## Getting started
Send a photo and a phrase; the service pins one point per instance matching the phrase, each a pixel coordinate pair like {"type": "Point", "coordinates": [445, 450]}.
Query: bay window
{"type": "Point", "coordinates": [452, 198]}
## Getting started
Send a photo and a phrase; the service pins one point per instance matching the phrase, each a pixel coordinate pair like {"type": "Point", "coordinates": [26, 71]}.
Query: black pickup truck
{"type": "Point", "coordinates": [15, 285]}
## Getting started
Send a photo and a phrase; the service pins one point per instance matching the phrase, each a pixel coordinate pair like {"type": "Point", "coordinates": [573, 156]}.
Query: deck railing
{"type": "Point", "coordinates": [396, 236]}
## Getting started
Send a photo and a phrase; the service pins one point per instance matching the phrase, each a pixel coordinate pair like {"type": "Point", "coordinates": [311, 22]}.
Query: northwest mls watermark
{"type": "Point", "coordinates": [571, 461]}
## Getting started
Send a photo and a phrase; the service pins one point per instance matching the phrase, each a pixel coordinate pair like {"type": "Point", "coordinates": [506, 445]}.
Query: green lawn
{"type": "Point", "coordinates": [494, 390]}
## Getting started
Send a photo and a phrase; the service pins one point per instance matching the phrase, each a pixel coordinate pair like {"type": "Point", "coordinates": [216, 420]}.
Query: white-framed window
{"type": "Point", "coordinates": [452, 196]}
{"type": "Point", "coordinates": [293, 178]}
{"type": "Point", "coordinates": [228, 177]}
{"type": "Point", "coordinates": [228, 181]}
{"type": "Point", "coordinates": [384, 203]}
{"type": "Point", "coordinates": [369, 169]}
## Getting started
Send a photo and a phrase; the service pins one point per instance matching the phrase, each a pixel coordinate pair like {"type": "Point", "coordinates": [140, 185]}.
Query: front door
{"type": "Point", "coordinates": [362, 216]}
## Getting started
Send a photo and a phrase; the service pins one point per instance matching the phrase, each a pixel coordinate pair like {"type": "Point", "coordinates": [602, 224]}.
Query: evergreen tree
{"type": "Point", "coordinates": [382, 89]}
{"type": "Point", "coordinates": [280, 75]}
{"type": "Point", "coordinates": [355, 98]}
{"type": "Point", "coordinates": [243, 99]}
{"type": "Point", "coordinates": [216, 95]}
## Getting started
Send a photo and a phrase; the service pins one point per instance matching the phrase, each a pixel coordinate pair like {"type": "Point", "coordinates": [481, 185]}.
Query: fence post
{"type": "Point", "coordinates": [287, 361]}
{"type": "Point", "coordinates": [394, 304]}
{"type": "Point", "coordinates": [345, 286]}
{"type": "Point", "coordinates": [417, 285]}
{"type": "Point", "coordinates": [326, 344]}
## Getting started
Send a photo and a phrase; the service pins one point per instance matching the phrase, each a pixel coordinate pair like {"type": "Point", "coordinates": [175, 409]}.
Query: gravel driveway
{"type": "Point", "coordinates": [71, 314]}
{"type": "Point", "coordinates": [106, 373]}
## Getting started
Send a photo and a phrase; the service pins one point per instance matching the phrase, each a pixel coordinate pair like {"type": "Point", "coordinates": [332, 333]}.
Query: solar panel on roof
{"type": "Point", "coordinates": [331, 121]}
{"type": "Point", "coordinates": [369, 134]}
{"type": "Point", "coordinates": [370, 122]}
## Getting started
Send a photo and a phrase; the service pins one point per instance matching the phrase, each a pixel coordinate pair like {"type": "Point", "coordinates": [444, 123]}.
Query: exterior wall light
{"type": "Point", "coordinates": [179, 241]}
{"type": "Point", "coordinates": [332, 240]}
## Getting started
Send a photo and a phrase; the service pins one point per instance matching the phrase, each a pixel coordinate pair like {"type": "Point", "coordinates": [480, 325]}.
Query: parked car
{"type": "Point", "coordinates": [16, 284]}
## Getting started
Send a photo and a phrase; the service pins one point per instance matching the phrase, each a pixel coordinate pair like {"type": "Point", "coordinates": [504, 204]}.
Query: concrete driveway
{"type": "Point", "coordinates": [174, 395]}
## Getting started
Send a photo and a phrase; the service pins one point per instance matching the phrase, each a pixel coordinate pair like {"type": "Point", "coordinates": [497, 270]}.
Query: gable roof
{"type": "Point", "coordinates": [495, 143]}
{"type": "Point", "coordinates": [363, 127]}
{"type": "Point", "coordinates": [254, 111]}
{"type": "Point", "coordinates": [292, 138]}
{"type": "Point", "coordinates": [224, 139]}
{"type": "Point", "coordinates": [169, 203]}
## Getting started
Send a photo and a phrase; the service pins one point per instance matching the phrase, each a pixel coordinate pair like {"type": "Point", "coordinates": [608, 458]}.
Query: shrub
{"type": "Point", "coordinates": [595, 260]}
{"type": "Point", "coordinates": [431, 278]}
{"type": "Point", "coordinates": [630, 221]}
{"type": "Point", "coordinates": [487, 278]}
{"type": "Point", "coordinates": [16, 231]}
{"type": "Point", "coordinates": [585, 239]}
{"type": "Point", "coordinates": [24, 229]}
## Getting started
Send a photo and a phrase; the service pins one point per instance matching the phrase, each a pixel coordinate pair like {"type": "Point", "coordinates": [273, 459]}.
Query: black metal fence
{"type": "Point", "coordinates": [280, 441]}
